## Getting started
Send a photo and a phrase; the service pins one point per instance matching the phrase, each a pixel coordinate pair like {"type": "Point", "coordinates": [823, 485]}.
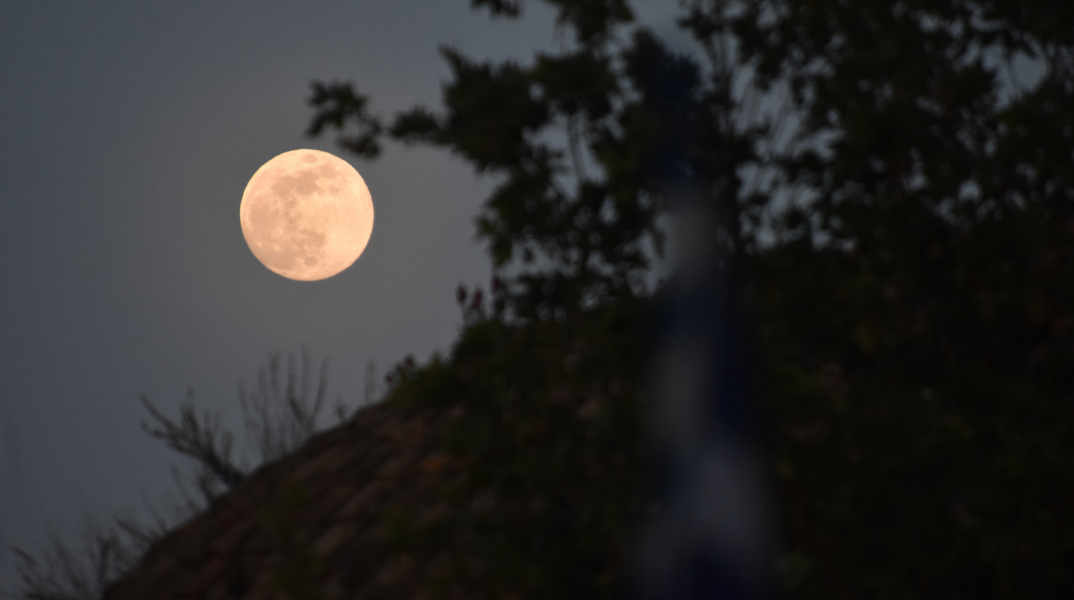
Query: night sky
{"type": "Point", "coordinates": [128, 131]}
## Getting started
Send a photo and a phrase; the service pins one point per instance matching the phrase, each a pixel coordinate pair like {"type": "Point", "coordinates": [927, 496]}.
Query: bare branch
{"type": "Point", "coordinates": [203, 439]}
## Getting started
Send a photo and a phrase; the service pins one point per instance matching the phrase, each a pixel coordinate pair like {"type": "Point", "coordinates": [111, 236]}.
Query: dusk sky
{"type": "Point", "coordinates": [128, 131]}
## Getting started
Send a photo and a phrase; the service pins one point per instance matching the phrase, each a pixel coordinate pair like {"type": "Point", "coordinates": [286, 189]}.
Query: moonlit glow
{"type": "Point", "coordinates": [306, 215]}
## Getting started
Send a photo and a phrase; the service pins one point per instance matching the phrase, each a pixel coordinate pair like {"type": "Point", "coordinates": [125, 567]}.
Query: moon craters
{"type": "Point", "coordinates": [306, 215]}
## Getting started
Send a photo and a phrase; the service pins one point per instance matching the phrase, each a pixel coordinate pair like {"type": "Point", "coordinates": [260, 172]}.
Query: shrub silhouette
{"type": "Point", "coordinates": [280, 413]}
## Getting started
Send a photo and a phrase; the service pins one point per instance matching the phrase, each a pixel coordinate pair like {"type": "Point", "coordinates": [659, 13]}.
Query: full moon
{"type": "Point", "coordinates": [306, 215]}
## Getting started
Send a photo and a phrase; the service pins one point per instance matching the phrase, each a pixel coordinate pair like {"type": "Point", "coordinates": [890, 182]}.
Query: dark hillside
{"type": "Point", "coordinates": [510, 470]}
{"type": "Point", "coordinates": [317, 516]}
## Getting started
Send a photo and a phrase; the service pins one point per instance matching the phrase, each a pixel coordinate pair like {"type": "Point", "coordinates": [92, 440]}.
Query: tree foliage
{"type": "Point", "coordinates": [580, 142]}
{"type": "Point", "coordinates": [546, 436]}
{"type": "Point", "coordinates": [892, 183]}
{"type": "Point", "coordinates": [919, 367]}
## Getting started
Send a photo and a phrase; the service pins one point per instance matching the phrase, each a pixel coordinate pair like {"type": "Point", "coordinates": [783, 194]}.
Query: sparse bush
{"type": "Point", "coordinates": [280, 413]}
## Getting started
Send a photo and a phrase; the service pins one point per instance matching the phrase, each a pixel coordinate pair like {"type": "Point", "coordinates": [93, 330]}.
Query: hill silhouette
{"type": "Point", "coordinates": [511, 469]}
{"type": "Point", "coordinates": [316, 516]}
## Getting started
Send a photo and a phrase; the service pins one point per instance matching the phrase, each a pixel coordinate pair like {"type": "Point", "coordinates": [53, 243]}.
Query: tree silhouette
{"type": "Point", "coordinates": [918, 366]}
{"type": "Point", "coordinates": [893, 186]}
{"type": "Point", "coordinates": [578, 141]}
